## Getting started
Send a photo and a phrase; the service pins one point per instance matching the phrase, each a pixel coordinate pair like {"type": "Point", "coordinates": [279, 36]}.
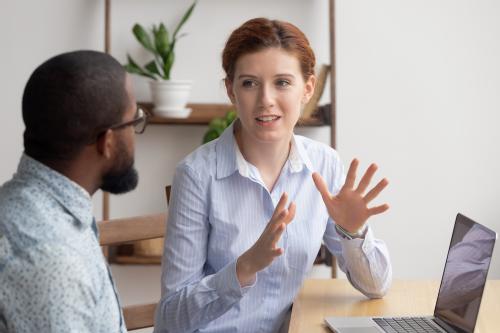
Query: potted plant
{"type": "Point", "coordinates": [169, 96]}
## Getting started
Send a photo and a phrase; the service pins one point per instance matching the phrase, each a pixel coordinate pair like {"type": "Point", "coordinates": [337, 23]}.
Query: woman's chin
{"type": "Point", "coordinates": [273, 137]}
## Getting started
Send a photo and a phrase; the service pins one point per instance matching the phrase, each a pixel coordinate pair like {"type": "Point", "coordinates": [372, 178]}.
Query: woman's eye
{"type": "Point", "coordinates": [249, 83]}
{"type": "Point", "coordinates": [282, 83]}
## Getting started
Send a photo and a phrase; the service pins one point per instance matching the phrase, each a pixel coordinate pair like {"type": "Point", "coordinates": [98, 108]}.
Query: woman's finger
{"type": "Point", "coordinates": [374, 192]}
{"type": "Point", "coordinates": [280, 206]}
{"type": "Point", "coordinates": [277, 252]}
{"type": "Point", "coordinates": [366, 179]}
{"type": "Point", "coordinates": [321, 186]}
{"type": "Point", "coordinates": [276, 234]}
{"type": "Point", "coordinates": [378, 209]}
{"type": "Point", "coordinates": [351, 174]}
{"type": "Point", "coordinates": [285, 218]}
{"type": "Point", "coordinates": [290, 215]}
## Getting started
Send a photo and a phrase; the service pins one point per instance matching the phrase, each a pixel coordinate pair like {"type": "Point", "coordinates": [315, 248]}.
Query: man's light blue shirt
{"type": "Point", "coordinates": [53, 276]}
{"type": "Point", "coordinates": [220, 207]}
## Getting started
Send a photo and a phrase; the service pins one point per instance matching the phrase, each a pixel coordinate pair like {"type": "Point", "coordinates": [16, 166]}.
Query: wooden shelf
{"type": "Point", "coordinates": [136, 260]}
{"type": "Point", "coordinates": [202, 114]}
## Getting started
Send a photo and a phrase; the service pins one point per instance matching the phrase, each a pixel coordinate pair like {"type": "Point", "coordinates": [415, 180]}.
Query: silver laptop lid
{"type": "Point", "coordinates": [464, 275]}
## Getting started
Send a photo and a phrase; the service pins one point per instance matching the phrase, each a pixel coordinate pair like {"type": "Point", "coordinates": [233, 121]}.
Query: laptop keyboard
{"type": "Point", "coordinates": [407, 324]}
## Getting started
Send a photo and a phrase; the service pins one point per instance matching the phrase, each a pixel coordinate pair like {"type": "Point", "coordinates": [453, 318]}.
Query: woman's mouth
{"type": "Point", "coordinates": [267, 119]}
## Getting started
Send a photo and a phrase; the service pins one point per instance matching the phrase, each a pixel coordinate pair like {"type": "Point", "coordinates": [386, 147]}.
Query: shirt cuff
{"type": "Point", "coordinates": [358, 246]}
{"type": "Point", "coordinates": [228, 284]}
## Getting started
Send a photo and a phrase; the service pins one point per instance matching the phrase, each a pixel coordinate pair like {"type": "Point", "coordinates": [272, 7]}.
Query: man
{"type": "Point", "coordinates": [80, 116]}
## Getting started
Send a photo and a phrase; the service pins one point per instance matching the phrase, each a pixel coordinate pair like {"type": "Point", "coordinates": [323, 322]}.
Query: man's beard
{"type": "Point", "coordinates": [123, 177]}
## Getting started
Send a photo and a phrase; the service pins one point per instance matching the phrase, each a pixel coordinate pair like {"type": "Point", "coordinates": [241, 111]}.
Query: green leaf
{"type": "Point", "coordinates": [230, 116]}
{"type": "Point", "coordinates": [169, 62]}
{"type": "Point", "coordinates": [133, 68]}
{"type": "Point", "coordinates": [152, 68]}
{"type": "Point", "coordinates": [162, 42]}
{"type": "Point", "coordinates": [184, 18]}
{"type": "Point", "coordinates": [143, 37]}
{"type": "Point", "coordinates": [210, 135]}
{"type": "Point", "coordinates": [217, 124]}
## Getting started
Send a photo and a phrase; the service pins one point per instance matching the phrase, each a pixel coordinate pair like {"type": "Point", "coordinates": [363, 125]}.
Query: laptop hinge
{"type": "Point", "coordinates": [445, 326]}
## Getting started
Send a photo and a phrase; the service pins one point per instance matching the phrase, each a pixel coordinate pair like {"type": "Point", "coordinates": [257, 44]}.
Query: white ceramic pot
{"type": "Point", "coordinates": [170, 97]}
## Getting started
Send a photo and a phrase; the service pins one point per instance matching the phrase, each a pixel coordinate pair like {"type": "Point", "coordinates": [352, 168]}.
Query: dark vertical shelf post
{"type": "Point", "coordinates": [107, 49]}
{"type": "Point", "coordinates": [333, 107]}
{"type": "Point", "coordinates": [333, 73]}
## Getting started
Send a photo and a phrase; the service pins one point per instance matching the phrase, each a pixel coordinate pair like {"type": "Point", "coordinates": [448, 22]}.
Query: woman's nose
{"type": "Point", "coordinates": [266, 96]}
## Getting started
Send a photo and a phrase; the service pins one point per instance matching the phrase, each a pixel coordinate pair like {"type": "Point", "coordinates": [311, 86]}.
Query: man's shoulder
{"type": "Point", "coordinates": [27, 211]}
{"type": "Point", "coordinates": [19, 196]}
{"type": "Point", "coordinates": [36, 229]}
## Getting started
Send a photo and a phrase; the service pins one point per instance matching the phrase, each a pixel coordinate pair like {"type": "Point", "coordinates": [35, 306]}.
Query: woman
{"type": "Point", "coordinates": [236, 252]}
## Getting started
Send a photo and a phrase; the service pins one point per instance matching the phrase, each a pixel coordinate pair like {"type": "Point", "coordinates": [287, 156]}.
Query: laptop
{"type": "Point", "coordinates": [460, 293]}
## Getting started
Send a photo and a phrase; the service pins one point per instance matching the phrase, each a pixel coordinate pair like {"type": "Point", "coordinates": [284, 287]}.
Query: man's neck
{"type": "Point", "coordinates": [73, 170]}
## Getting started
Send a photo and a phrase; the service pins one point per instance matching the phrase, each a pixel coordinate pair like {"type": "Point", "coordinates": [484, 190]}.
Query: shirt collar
{"type": "Point", "coordinates": [74, 198]}
{"type": "Point", "coordinates": [298, 156]}
{"type": "Point", "coordinates": [226, 154]}
{"type": "Point", "coordinates": [230, 159]}
{"type": "Point", "coordinates": [242, 165]}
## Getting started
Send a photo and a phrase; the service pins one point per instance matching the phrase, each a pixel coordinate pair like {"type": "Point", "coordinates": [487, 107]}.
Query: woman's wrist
{"type": "Point", "coordinates": [244, 272]}
{"type": "Point", "coordinates": [360, 233]}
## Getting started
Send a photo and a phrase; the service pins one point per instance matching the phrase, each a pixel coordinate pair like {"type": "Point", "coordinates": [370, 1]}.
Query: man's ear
{"type": "Point", "coordinates": [309, 89]}
{"type": "Point", "coordinates": [229, 90]}
{"type": "Point", "coordinates": [105, 143]}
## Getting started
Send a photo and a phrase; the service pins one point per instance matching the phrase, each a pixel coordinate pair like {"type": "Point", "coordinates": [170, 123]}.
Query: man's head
{"type": "Point", "coordinates": [71, 106]}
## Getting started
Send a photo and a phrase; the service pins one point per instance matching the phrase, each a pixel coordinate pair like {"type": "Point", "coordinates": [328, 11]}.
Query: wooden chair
{"type": "Point", "coordinates": [126, 230]}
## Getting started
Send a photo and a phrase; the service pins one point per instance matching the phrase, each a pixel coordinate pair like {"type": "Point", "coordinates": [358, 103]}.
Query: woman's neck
{"type": "Point", "coordinates": [268, 157]}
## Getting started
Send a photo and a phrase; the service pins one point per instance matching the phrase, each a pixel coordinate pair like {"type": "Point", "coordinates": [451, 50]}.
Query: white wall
{"type": "Point", "coordinates": [418, 85]}
{"type": "Point", "coordinates": [418, 90]}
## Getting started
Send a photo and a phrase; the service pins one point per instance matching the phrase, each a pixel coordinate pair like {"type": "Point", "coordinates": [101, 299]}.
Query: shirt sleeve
{"type": "Point", "coordinates": [191, 298]}
{"type": "Point", "coordinates": [46, 292]}
{"type": "Point", "coordinates": [365, 261]}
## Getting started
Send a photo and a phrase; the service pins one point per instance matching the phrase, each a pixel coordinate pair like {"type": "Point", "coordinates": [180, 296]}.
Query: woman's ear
{"type": "Point", "coordinates": [105, 143]}
{"type": "Point", "coordinates": [229, 90]}
{"type": "Point", "coordinates": [309, 89]}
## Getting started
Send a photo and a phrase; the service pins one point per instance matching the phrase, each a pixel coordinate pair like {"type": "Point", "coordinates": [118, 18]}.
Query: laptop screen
{"type": "Point", "coordinates": [465, 274]}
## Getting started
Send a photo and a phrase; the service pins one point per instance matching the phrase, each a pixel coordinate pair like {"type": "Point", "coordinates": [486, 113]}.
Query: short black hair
{"type": "Point", "coordinates": [68, 100]}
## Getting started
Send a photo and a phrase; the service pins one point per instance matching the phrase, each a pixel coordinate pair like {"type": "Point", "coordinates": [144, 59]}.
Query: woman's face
{"type": "Point", "coordinates": [268, 90]}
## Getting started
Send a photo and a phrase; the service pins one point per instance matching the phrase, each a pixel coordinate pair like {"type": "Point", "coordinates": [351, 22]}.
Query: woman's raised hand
{"type": "Point", "coordinates": [349, 208]}
{"type": "Point", "coordinates": [263, 252]}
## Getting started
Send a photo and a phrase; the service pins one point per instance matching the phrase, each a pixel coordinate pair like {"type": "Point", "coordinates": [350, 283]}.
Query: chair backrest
{"type": "Point", "coordinates": [168, 189]}
{"type": "Point", "coordinates": [126, 230]}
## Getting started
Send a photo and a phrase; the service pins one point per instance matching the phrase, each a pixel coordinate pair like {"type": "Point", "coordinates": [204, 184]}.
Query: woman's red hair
{"type": "Point", "coordinates": [260, 33]}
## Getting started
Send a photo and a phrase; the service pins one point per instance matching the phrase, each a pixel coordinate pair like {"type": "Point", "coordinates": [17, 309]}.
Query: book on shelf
{"type": "Point", "coordinates": [312, 105]}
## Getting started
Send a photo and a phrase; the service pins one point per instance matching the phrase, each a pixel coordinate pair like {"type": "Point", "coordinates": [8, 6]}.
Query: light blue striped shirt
{"type": "Point", "coordinates": [219, 208]}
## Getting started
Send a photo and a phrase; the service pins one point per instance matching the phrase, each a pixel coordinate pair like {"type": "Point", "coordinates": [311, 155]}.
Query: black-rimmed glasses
{"type": "Point", "coordinates": [139, 122]}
